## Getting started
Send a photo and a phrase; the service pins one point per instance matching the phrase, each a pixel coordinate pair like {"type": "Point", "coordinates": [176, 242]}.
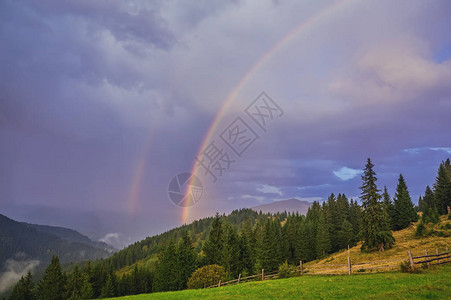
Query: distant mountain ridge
{"type": "Point", "coordinates": [71, 236]}
{"type": "Point", "coordinates": [290, 205]}
{"type": "Point", "coordinates": [40, 242]}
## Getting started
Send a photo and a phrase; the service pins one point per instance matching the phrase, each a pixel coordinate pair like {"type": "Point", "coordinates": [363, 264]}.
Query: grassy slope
{"type": "Point", "coordinates": [432, 284]}
{"type": "Point", "coordinates": [405, 240]}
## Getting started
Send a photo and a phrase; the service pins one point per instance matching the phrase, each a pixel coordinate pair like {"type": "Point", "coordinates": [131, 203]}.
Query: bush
{"type": "Point", "coordinates": [206, 276]}
{"type": "Point", "coordinates": [421, 229]}
{"type": "Point", "coordinates": [406, 268]}
{"type": "Point", "coordinates": [285, 270]}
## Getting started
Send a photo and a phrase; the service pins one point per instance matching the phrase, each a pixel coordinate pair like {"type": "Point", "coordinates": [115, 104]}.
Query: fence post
{"type": "Point", "coordinates": [219, 284]}
{"type": "Point", "coordinates": [436, 252]}
{"type": "Point", "coordinates": [412, 265]}
{"type": "Point", "coordinates": [300, 267]}
{"type": "Point", "coordinates": [239, 277]}
{"type": "Point", "coordinates": [447, 252]}
{"type": "Point", "coordinates": [349, 262]}
{"type": "Point", "coordinates": [426, 252]}
{"type": "Point", "coordinates": [263, 274]}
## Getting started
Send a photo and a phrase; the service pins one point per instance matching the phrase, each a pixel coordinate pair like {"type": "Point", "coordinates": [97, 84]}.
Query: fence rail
{"type": "Point", "coordinates": [440, 258]}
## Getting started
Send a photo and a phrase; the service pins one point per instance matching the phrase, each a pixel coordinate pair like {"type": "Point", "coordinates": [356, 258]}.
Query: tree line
{"type": "Point", "coordinates": [246, 242]}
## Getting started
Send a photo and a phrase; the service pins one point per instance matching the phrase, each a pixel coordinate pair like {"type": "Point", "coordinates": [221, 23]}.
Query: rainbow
{"type": "Point", "coordinates": [138, 174]}
{"type": "Point", "coordinates": [229, 100]}
{"type": "Point", "coordinates": [140, 167]}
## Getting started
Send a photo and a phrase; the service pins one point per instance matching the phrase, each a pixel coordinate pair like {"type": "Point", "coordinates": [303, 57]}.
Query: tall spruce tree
{"type": "Point", "coordinates": [24, 289]}
{"type": "Point", "coordinates": [303, 239]}
{"type": "Point", "coordinates": [108, 289]}
{"type": "Point", "coordinates": [166, 275]}
{"type": "Point", "coordinates": [375, 230]}
{"type": "Point", "coordinates": [74, 284]}
{"type": "Point", "coordinates": [404, 210]}
{"type": "Point", "coordinates": [246, 259]}
{"type": "Point", "coordinates": [447, 165]}
{"type": "Point", "coordinates": [279, 242]}
{"type": "Point", "coordinates": [213, 245]}
{"type": "Point", "coordinates": [51, 286]}
{"type": "Point", "coordinates": [346, 235]}
{"type": "Point", "coordinates": [186, 260]}
{"type": "Point", "coordinates": [389, 206]}
{"type": "Point", "coordinates": [442, 190]}
{"type": "Point", "coordinates": [355, 217]}
{"type": "Point", "coordinates": [86, 289]}
{"type": "Point", "coordinates": [323, 242]}
{"type": "Point", "coordinates": [428, 207]}
{"type": "Point", "coordinates": [230, 252]}
{"type": "Point", "coordinates": [267, 253]}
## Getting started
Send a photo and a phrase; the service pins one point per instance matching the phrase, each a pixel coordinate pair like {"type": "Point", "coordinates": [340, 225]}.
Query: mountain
{"type": "Point", "coordinates": [38, 242]}
{"type": "Point", "coordinates": [71, 236]}
{"type": "Point", "coordinates": [290, 205]}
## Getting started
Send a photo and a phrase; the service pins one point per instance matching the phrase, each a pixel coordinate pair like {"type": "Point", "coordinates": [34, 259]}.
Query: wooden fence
{"type": "Point", "coordinates": [341, 269]}
{"type": "Point", "coordinates": [429, 259]}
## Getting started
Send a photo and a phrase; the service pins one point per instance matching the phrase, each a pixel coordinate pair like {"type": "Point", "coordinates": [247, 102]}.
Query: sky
{"type": "Point", "coordinates": [103, 103]}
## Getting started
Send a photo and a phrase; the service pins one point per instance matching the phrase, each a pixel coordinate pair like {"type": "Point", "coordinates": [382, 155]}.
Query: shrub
{"type": "Point", "coordinates": [285, 270]}
{"type": "Point", "coordinates": [421, 229]}
{"type": "Point", "coordinates": [206, 276]}
{"type": "Point", "coordinates": [406, 268]}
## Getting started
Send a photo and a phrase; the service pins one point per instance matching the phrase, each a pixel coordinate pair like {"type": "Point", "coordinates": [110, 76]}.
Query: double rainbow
{"type": "Point", "coordinates": [322, 14]}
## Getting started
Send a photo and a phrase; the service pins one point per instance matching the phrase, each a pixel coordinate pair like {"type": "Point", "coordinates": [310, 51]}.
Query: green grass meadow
{"type": "Point", "coordinates": [430, 284]}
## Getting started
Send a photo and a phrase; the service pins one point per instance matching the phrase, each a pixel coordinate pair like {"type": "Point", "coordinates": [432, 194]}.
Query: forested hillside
{"type": "Point", "coordinates": [33, 242]}
{"type": "Point", "coordinates": [246, 241]}
{"type": "Point", "coordinates": [71, 236]}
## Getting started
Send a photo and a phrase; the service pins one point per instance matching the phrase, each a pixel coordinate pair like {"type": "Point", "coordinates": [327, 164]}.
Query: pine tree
{"type": "Point", "coordinates": [86, 289]}
{"type": "Point", "coordinates": [213, 245]}
{"type": "Point", "coordinates": [245, 257]}
{"type": "Point", "coordinates": [442, 190]}
{"type": "Point", "coordinates": [186, 260]}
{"type": "Point", "coordinates": [375, 228]}
{"type": "Point", "coordinates": [51, 286]}
{"type": "Point", "coordinates": [389, 207]}
{"type": "Point", "coordinates": [108, 290]}
{"type": "Point", "coordinates": [278, 242]}
{"type": "Point", "coordinates": [355, 217]}
{"type": "Point", "coordinates": [268, 253]}
{"type": "Point", "coordinates": [447, 165]}
{"type": "Point", "coordinates": [290, 232]}
{"type": "Point", "coordinates": [98, 276]}
{"type": "Point", "coordinates": [340, 212]}
{"type": "Point", "coordinates": [346, 235]}
{"type": "Point", "coordinates": [332, 220]}
{"type": "Point", "coordinates": [230, 252]}
{"type": "Point", "coordinates": [74, 284]}
{"type": "Point", "coordinates": [24, 289]}
{"type": "Point", "coordinates": [166, 276]}
{"type": "Point", "coordinates": [404, 210]}
{"type": "Point", "coordinates": [428, 207]}
{"type": "Point", "coordinates": [323, 243]}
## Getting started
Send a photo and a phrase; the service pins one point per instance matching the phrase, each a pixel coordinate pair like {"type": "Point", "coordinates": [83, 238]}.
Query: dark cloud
{"type": "Point", "coordinates": [101, 103]}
